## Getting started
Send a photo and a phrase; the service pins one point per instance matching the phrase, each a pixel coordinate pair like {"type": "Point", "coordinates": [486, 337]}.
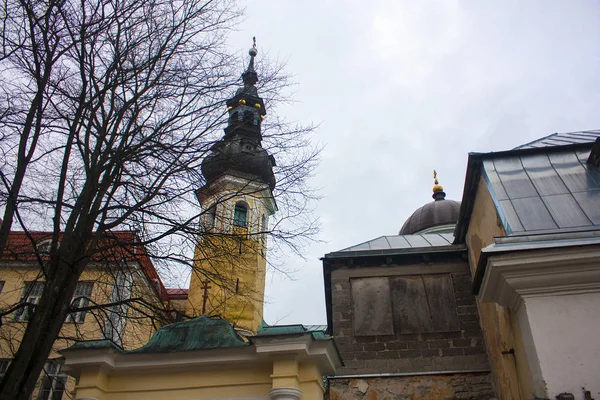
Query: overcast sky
{"type": "Point", "coordinates": [402, 87]}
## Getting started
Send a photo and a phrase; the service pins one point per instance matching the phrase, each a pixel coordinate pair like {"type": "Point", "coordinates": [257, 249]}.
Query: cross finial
{"type": "Point", "coordinates": [437, 188]}
{"type": "Point", "coordinates": [254, 41]}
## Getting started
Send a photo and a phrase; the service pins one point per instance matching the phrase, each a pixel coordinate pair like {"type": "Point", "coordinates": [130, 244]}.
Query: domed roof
{"type": "Point", "coordinates": [439, 212]}
{"type": "Point", "coordinates": [239, 154]}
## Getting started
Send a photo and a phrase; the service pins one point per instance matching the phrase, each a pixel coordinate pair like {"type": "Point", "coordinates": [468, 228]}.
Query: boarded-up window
{"type": "Point", "coordinates": [372, 307]}
{"type": "Point", "coordinates": [424, 304]}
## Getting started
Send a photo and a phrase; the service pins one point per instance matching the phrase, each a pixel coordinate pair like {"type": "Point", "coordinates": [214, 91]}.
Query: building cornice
{"type": "Point", "coordinates": [510, 277]}
{"type": "Point", "coordinates": [263, 350]}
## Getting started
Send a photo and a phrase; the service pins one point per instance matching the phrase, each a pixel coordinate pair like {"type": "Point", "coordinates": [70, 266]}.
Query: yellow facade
{"type": "Point", "coordinates": [228, 280]}
{"type": "Point", "coordinates": [256, 380]}
{"type": "Point", "coordinates": [505, 351]}
{"type": "Point", "coordinates": [136, 329]}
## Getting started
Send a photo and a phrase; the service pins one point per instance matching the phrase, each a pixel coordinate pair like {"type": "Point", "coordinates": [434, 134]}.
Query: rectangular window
{"type": "Point", "coordinates": [31, 296]}
{"type": "Point", "coordinates": [4, 363]}
{"type": "Point", "coordinates": [117, 314]}
{"type": "Point", "coordinates": [81, 299]}
{"type": "Point", "coordinates": [240, 215]}
{"type": "Point", "coordinates": [53, 382]}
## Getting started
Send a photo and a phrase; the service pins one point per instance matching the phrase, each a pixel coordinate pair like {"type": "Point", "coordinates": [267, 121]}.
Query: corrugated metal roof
{"type": "Point", "coordinates": [561, 139]}
{"type": "Point", "coordinates": [547, 191]}
{"type": "Point", "coordinates": [396, 242]}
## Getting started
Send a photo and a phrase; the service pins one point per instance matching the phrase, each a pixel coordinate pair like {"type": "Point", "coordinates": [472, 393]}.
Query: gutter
{"type": "Point", "coordinates": [397, 374]}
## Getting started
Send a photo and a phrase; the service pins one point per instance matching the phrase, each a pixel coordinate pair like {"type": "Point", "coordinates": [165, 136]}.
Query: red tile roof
{"type": "Point", "coordinates": [118, 245]}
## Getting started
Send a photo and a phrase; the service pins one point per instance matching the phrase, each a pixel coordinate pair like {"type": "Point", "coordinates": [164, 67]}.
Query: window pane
{"type": "Point", "coordinates": [239, 215]}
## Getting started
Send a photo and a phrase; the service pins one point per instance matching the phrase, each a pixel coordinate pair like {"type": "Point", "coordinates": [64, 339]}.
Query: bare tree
{"type": "Point", "coordinates": [108, 108]}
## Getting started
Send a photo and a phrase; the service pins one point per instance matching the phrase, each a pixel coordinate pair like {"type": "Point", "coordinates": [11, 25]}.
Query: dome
{"type": "Point", "coordinates": [440, 213]}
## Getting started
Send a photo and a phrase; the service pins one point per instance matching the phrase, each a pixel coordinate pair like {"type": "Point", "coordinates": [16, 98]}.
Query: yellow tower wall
{"type": "Point", "coordinates": [230, 259]}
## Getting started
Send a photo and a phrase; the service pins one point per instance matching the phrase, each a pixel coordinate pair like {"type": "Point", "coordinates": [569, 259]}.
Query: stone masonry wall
{"type": "Point", "coordinates": [446, 351]}
{"type": "Point", "coordinates": [471, 386]}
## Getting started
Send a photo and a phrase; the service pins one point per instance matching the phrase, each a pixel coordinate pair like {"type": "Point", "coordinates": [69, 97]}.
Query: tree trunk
{"type": "Point", "coordinates": [42, 329]}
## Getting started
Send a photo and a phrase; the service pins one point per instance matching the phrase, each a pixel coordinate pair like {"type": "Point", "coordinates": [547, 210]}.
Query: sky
{"type": "Point", "coordinates": [400, 88]}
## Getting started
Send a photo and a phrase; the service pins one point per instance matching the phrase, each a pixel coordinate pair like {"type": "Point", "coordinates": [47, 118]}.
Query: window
{"type": "Point", "coordinates": [4, 363]}
{"type": "Point", "coordinates": [240, 214]}
{"type": "Point", "coordinates": [117, 314]}
{"type": "Point", "coordinates": [263, 227]}
{"type": "Point", "coordinates": [210, 216]}
{"type": "Point", "coordinates": [31, 296]}
{"type": "Point", "coordinates": [1, 286]}
{"type": "Point", "coordinates": [53, 382]}
{"type": "Point", "coordinates": [81, 299]}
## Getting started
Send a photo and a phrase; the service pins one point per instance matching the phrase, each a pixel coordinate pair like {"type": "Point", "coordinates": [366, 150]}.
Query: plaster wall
{"type": "Point", "coordinates": [253, 381]}
{"type": "Point", "coordinates": [502, 348]}
{"type": "Point", "coordinates": [232, 262]}
{"type": "Point", "coordinates": [564, 333]}
{"type": "Point", "coordinates": [136, 332]}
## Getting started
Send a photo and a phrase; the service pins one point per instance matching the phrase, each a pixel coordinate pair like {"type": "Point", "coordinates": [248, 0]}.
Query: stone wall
{"type": "Point", "coordinates": [471, 386]}
{"type": "Point", "coordinates": [462, 349]}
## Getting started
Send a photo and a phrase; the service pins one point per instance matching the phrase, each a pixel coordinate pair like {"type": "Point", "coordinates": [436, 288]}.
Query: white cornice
{"type": "Point", "coordinates": [510, 277]}
{"type": "Point", "coordinates": [300, 347]}
{"type": "Point", "coordinates": [245, 186]}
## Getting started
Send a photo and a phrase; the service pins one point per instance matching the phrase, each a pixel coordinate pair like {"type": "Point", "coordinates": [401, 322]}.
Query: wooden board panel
{"type": "Point", "coordinates": [411, 309]}
{"type": "Point", "coordinates": [442, 306]}
{"type": "Point", "coordinates": [372, 307]}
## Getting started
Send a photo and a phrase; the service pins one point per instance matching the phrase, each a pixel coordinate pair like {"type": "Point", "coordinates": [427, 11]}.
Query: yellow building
{"type": "Point", "coordinates": [226, 351]}
{"type": "Point", "coordinates": [126, 273]}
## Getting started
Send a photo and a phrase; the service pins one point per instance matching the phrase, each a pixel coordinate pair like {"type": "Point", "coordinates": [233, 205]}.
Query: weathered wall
{"type": "Point", "coordinates": [225, 382]}
{"type": "Point", "coordinates": [462, 349]}
{"type": "Point", "coordinates": [427, 387]}
{"type": "Point", "coordinates": [502, 348]}
{"type": "Point", "coordinates": [233, 264]}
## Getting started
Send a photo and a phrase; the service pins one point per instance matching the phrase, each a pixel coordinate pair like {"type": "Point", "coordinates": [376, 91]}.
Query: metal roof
{"type": "Point", "coordinates": [397, 243]}
{"type": "Point", "coordinates": [561, 139]}
{"type": "Point", "coordinates": [544, 191]}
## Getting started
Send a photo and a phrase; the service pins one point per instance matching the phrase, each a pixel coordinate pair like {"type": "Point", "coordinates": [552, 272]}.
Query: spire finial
{"type": "Point", "coordinates": [438, 190]}
{"type": "Point", "coordinates": [250, 77]}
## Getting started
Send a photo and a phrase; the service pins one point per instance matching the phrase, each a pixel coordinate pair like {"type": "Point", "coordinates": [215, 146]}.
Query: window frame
{"type": "Point", "coordinates": [81, 298]}
{"type": "Point", "coordinates": [55, 379]}
{"type": "Point", "coordinates": [237, 220]}
{"type": "Point", "coordinates": [31, 297]}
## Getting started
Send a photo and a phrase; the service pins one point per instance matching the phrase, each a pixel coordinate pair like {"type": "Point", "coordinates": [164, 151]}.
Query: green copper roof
{"type": "Point", "coordinates": [96, 344]}
{"type": "Point", "coordinates": [196, 334]}
{"type": "Point", "coordinates": [277, 330]}
{"type": "Point", "coordinates": [200, 333]}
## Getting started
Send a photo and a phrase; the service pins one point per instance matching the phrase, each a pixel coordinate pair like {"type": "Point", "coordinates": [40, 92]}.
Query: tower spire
{"type": "Point", "coordinates": [250, 77]}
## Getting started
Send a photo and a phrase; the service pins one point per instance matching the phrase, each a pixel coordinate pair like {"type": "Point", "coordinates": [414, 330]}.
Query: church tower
{"type": "Point", "coordinates": [230, 266]}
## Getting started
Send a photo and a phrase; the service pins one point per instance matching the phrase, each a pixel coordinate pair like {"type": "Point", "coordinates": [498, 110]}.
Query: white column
{"type": "Point", "coordinates": [285, 394]}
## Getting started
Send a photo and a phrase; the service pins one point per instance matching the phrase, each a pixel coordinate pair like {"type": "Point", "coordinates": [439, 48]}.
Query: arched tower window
{"type": "Point", "coordinates": [210, 216]}
{"type": "Point", "coordinates": [240, 214]}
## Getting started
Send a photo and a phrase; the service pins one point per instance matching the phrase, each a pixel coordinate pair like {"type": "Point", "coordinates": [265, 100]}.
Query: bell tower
{"type": "Point", "coordinates": [237, 200]}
